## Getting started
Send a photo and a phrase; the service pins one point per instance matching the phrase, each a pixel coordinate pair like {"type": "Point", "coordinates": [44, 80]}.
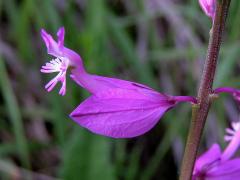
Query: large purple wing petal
{"type": "Point", "coordinates": [115, 115]}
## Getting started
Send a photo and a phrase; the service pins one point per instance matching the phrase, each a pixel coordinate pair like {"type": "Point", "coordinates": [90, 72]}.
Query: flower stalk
{"type": "Point", "coordinates": [200, 111]}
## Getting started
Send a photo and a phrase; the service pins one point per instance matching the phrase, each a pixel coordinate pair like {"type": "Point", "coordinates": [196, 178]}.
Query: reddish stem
{"type": "Point", "coordinates": [200, 112]}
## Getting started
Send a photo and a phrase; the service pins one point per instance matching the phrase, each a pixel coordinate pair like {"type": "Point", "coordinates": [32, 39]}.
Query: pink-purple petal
{"type": "Point", "coordinates": [119, 116]}
{"type": "Point", "coordinates": [228, 170]}
{"type": "Point", "coordinates": [208, 6]}
{"type": "Point", "coordinates": [63, 88]}
{"type": "Point", "coordinates": [51, 85]}
{"type": "Point", "coordinates": [233, 146]}
{"type": "Point", "coordinates": [94, 84]}
{"type": "Point", "coordinates": [61, 34]}
{"type": "Point", "coordinates": [51, 44]}
{"type": "Point", "coordinates": [213, 154]}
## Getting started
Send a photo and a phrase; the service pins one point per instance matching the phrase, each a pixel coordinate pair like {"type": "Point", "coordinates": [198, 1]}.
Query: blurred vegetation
{"type": "Point", "coordinates": [160, 43]}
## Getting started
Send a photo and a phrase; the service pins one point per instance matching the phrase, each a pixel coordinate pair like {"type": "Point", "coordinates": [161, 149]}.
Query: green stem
{"type": "Point", "coordinates": [200, 111]}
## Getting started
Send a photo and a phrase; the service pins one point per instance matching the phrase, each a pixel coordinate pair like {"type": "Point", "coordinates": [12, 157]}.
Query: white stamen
{"type": "Point", "coordinates": [60, 65]}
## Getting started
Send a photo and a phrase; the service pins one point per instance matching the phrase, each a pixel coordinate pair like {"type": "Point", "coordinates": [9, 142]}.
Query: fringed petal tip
{"type": "Point", "coordinates": [62, 91]}
{"type": "Point", "coordinates": [51, 84]}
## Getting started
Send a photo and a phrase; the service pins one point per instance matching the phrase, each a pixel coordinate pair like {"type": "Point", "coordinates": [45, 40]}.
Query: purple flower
{"type": "Point", "coordinates": [116, 108]}
{"type": "Point", "coordinates": [208, 6]}
{"type": "Point", "coordinates": [64, 58]}
{"type": "Point", "coordinates": [216, 165]}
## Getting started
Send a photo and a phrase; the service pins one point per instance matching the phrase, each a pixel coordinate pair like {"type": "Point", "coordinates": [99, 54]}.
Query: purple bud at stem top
{"type": "Point", "coordinates": [209, 7]}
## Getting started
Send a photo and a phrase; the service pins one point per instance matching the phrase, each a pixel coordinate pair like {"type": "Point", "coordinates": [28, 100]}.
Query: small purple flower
{"type": "Point", "coordinates": [208, 6]}
{"type": "Point", "coordinates": [64, 58]}
{"type": "Point", "coordinates": [216, 165]}
{"type": "Point", "coordinates": [116, 108]}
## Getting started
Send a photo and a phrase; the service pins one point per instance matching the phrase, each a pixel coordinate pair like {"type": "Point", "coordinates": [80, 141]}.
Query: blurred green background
{"type": "Point", "coordinates": [161, 43]}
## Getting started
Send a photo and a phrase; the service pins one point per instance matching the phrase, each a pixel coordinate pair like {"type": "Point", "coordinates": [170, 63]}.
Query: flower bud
{"type": "Point", "coordinates": [208, 7]}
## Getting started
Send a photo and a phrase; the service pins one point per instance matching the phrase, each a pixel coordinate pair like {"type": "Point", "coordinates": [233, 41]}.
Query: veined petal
{"type": "Point", "coordinates": [229, 170]}
{"type": "Point", "coordinates": [203, 163]}
{"type": "Point", "coordinates": [119, 113]}
{"type": "Point", "coordinates": [94, 84]}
